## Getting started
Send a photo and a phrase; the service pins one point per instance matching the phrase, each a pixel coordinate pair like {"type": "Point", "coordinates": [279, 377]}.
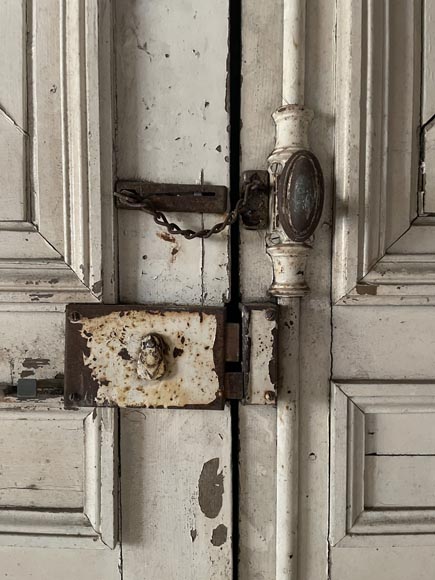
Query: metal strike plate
{"type": "Point", "coordinates": [113, 358]}
{"type": "Point", "coordinates": [174, 197]}
{"type": "Point", "coordinates": [260, 353]}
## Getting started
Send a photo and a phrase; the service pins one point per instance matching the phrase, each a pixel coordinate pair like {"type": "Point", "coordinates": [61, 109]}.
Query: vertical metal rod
{"type": "Point", "coordinates": [287, 475]}
{"type": "Point", "coordinates": [287, 518]}
{"type": "Point", "coordinates": [293, 77]}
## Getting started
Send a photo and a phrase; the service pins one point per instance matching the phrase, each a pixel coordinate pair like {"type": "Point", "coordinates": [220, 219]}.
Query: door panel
{"type": "Point", "coordinates": [13, 106]}
{"type": "Point", "coordinates": [382, 476]}
{"type": "Point", "coordinates": [58, 468]}
{"type": "Point", "coordinates": [176, 492]}
{"type": "Point", "coordinates": [172, 127]}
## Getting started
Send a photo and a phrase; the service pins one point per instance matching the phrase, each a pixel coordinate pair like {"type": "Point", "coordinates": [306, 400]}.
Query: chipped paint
{"type": "Point", "coordinates": [97, 288]}
{"type": "Point", "coordinates": [112, 345]}
{"type": "Point", "coordinates": [211, 488]}
{"type": "Point", "coordinates": [366, 289]}
{"type": "Point", "coordinates": [260, 342]}
{"type": "Point", "coordinates": [219, 535]}
{"type": "Point", "coordinates": [35, 363]}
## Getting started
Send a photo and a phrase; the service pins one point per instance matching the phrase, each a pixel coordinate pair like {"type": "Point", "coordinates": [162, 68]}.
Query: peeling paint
{"type": "Point", "coordinates": [366, 289]}
{"type": "Point", "coordinates": [35, 363]}
{"type": "Point", "coordinates": [97, 287]}
{"type": "Point", "coordinates": [113, 347]}
{"type": "Point", "coordinates": [219, 535]}
{"type": "Point", "coordinates": [40, 296]}
{"type": "Point", "coordinates": [211, 488]}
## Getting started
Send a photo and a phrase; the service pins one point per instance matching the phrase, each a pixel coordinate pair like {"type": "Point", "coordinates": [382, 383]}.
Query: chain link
{"type": "Point", "coordinates": [135, 201]}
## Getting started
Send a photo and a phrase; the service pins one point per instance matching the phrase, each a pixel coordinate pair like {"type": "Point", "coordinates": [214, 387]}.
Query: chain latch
{"type": "Point", "coordinates": [152, 198]}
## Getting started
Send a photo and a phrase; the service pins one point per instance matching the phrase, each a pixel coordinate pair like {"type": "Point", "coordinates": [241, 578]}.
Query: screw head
{"type": "Point", "coordinates": [74, 316]}
{"type": "Point", "coordinates": [270, 314]}
{"type": "Point", "coordinates": [269, 396]}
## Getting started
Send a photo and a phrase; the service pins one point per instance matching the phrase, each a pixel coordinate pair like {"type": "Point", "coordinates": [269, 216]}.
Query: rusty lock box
{"type": "Point", "coordinates": [150, 356]}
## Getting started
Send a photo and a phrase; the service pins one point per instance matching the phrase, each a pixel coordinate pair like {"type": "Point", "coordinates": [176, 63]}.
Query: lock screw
{"type": "Point", "coordinates": [269, 396]}
{"type": "Point", "coordinates": [270, 314]}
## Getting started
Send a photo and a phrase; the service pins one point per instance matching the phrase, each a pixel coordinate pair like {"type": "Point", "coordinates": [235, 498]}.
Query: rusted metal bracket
{"type": "Point", "coordinates": [174, 197]}
{"type": "Point", "coordinates": [255, 212]}
{"type": "Point", "coordinates": [150, 356]}
{"type": "Point", "coordinates": [260, 353]}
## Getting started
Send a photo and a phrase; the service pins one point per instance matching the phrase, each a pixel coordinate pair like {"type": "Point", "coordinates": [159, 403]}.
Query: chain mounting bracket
{"type": "Point", "coordinates": [174, 197]}
{"type": "Point", "coordinates": [155, 199]}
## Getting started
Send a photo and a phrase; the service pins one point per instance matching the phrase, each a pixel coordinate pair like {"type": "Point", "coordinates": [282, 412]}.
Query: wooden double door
{"type": "Point", "coordinates": [93, 91]}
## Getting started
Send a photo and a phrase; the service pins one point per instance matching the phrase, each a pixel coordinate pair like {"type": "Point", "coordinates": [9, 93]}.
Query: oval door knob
{"type": "Point", "coordinates": [300, 195]}
{"type": "Point", "coordinates": [151, 364]}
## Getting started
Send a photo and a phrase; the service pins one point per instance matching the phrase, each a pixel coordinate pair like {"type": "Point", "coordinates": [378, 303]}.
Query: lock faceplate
{"type": "Point", "coordinates": [104, 345]}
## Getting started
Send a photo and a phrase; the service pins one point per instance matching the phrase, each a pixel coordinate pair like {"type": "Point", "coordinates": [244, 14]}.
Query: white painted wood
{"type": "Point", "coordinates": [395, 481]}
{"type": "Point", "coordinates": [13, 110]}
{"type": "Point", "coordinates": [257, 467]}
{"type": "Point", "coordinates": [262, 33]}
{"type": "Point", "coordinates": [338, 489]}
{"type": "Point", "coordinates": [55, 480]}
{"type": "Point", "coordinates": [29, 563]}
{"type": "Point", "coordinates": [356, 464]}
{"type": "Point", "coordinates": [375, 495]}
{"type": "Point", "coordinates": [66, 164]}
{"type": "Point", "coordinates": [293, 74]}
{"type": "Point", "coordinates": [377, 158]}
{"type": "Point", "coordinates": [287, 441]}
{"type": "Point", "coordinates": [428, 60]}
{"type": "Point", "coordinates": [315, 310]}
{"type": "Point", "coordinates": [37, 348]}
{"type": "Point", "coordinates": [400, 433]}
{"type": "Point", "coordinates": [262, 74]}
{"type": "Point", "coordinates": [176, 484]}
{"type": "Point", "coordinates": [172, 128]}
{"type": "Point", "coordinates": [392, 563]}
{"type": "Point", "coordinates": [429, 174]}
{"type": "Point", "coordinates": [58, 479]}
{"type": "Point", "coordinates": [383, 343]}
{"type": "Point", "coordinates": [53, 493]}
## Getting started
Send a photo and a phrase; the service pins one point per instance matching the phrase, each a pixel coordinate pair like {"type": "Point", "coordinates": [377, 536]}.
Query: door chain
{"type": "Point", "coordinates": [132, 200]}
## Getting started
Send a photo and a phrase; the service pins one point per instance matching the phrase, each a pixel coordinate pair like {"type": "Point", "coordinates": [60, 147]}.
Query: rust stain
{"type": "Point", "coordinates": [117, 338]}
{"type": "Point", "coordinates": [219, 535]}
{"type": "Point", "coordinates": [211, 488]}
{"type": "Point", "coordinates": [124, 354]}
{"type": "Point", "coordinates": [166, 237]}
{"type": "Point", "coordinates": [35, 363]}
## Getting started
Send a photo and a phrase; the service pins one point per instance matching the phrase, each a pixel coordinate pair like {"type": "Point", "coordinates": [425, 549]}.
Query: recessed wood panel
{"type": "Point", "coordinates": [400, 433]}
{"type": "Point", "coordinates": [399, 482]}
{"type": "Point", "coordinates": [13, 109]}
{"type": "Point", "coordinates": [41, 461]}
